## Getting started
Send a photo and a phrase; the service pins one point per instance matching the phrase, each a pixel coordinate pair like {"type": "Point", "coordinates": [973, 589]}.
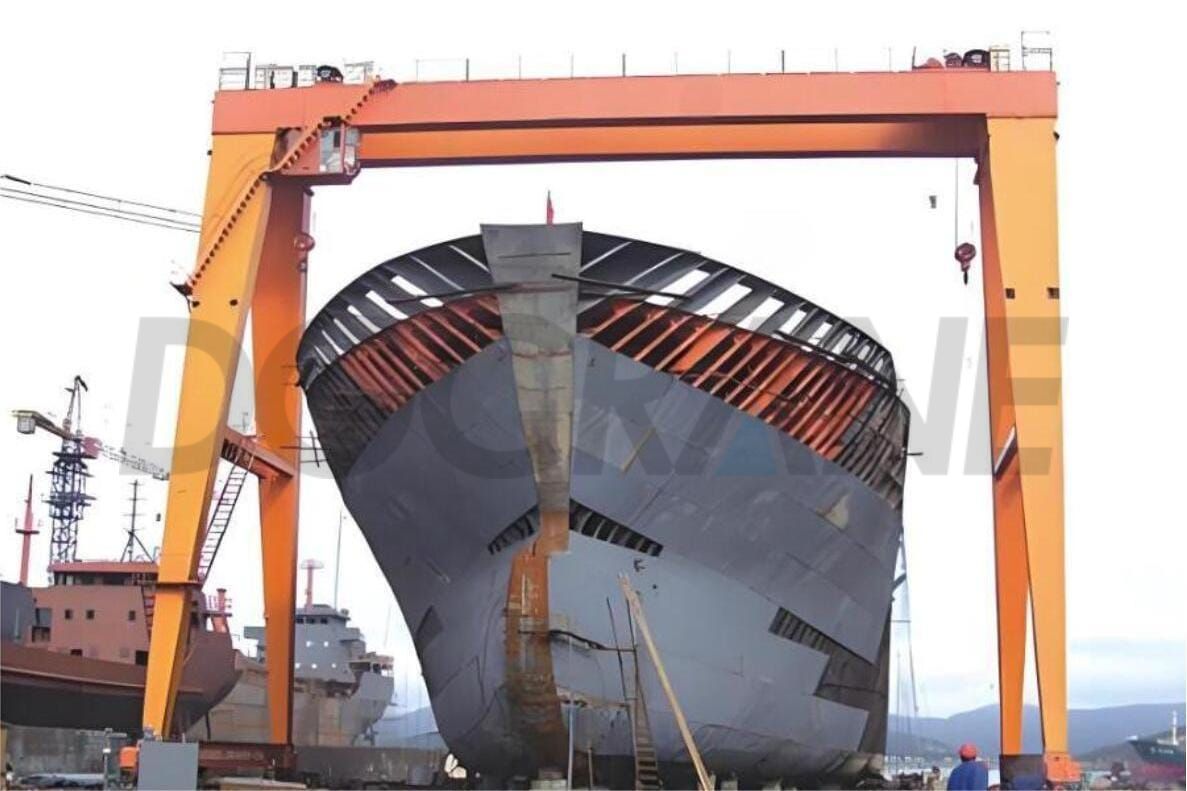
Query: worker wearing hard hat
{"type": "Point", "coordinates": [971, 775]}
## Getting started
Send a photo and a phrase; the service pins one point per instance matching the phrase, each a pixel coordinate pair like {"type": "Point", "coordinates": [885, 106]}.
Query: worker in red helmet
{"type": "Point", "coordinates": [971, 775]}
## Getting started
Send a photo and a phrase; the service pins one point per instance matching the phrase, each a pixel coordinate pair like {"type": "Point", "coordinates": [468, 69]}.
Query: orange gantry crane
{"type": "Point", "coordinates": [271, 146]}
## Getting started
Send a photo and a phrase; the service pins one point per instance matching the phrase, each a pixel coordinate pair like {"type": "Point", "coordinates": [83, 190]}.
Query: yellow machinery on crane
{"type": "Point", "coordinates": [272, 146]}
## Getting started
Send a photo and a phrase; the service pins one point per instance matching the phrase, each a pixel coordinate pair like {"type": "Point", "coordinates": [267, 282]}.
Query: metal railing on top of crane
{"type": "Point", "coordinates": [1034, 52]}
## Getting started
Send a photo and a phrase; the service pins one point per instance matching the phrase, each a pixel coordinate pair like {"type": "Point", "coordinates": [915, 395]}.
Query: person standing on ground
{"type": "Point", "coordinates": [971, 775]}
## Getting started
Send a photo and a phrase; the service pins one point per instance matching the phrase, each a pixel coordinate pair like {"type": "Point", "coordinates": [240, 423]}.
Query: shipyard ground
{"type": "Point", "coordinates": [73, 758]}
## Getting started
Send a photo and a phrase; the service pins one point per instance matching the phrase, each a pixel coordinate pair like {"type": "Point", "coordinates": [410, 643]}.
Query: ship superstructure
{"type": "Point", "coordinates": [75, 656]}
{"type": "Point", "coordinates": [340, 691]}
{"type": "Point", "coordinates": [516, 418]}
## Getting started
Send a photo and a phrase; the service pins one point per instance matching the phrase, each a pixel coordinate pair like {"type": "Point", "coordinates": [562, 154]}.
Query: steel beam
{"type": "Point", "coordinates": [1017, 179]}
{"type": "Point", "coordinates": [661, 100]}
{"type": "Point", "coordinates": [277, 321]}
{"type": "Point", "coordinates": [219, 305]}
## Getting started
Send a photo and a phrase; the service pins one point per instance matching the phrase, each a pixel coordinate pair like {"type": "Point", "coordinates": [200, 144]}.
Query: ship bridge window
{"type": "Point", "coordinates": [725, 300]}
{"type": "Point", "coordinates": [90, 615]}
{"type": "Point", "coordinates": [131, 615]}
{"type": "Point", "coordinates": [68, 614]}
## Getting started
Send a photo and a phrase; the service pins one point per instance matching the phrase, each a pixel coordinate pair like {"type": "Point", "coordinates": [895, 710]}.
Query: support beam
{"type": "Point", "coordinates": [1008, 530]}
{"type": "Point", "coordinates": [652, 100]}
{"type": "Point", "coordinates": [632, 600]}
{"type": "Point", "coordinates": [1017, 176]}
{"type": "Point", "coordinates": [277, 320]}
{"type": "Point", "coordinates": [256, 456]}
{"type": "Point", "coordinates": [582, 142]}
{"type": "Point", "coordinates": [220, 302]}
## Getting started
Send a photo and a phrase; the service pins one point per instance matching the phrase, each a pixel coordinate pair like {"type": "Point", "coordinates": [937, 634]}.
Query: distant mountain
{"type": "Point", "coordinates": [1088, 729]}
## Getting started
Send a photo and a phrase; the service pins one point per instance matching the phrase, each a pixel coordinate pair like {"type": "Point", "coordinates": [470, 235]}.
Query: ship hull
{"type": "Point", "coordinates": [53, 690]}
{"type": "Point", "coordinates": [741, 533]}
{"type": "Point", "coordinates": [323, 716]}
{"type": "Point", "coordinates": [745, 481]}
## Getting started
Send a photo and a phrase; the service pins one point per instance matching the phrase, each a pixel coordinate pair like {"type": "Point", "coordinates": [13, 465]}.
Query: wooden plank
{"type": "Point", "coordinates": [632, 600]}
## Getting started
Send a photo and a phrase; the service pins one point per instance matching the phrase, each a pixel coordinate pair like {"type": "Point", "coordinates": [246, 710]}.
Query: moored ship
{"type": "Point", "coordinates": [517, 418]}
{"type": "Point", "coordinates": [75, 652]}
{"type": "Point", "coordinates": [340, 689]}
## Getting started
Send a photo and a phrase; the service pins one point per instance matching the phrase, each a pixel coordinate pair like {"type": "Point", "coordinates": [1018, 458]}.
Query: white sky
{"type": "Point", "coordinates": [115, 98]}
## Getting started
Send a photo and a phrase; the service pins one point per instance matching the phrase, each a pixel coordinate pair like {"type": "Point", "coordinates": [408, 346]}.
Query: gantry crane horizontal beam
{"type": "Point", "coordinates": [270, 147]}
{"type": "Point", "coordinates": [599, 101]}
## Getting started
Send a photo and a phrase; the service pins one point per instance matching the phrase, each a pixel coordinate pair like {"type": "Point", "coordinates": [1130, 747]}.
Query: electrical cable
{"type": "Point", "coordinates": [184, 223]}
{"type": "Point", "coordinates": [163, 224]}
{"type": "Point", "coordinates": [29, 183]}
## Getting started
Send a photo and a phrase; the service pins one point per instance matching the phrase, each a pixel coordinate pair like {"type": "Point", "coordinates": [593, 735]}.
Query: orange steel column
{"type": "Point", "coordinates": [219, 304]}
{"type": "Point", "coordinates": [1009, 530]}
{"type": "Point", "coordinates": [278, 318]}
{"type": "Point", "coordinates": [1019, 216]}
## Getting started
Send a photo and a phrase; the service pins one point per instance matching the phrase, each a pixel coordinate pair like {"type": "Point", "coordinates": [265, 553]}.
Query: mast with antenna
{"type": "Point", "coordinates": [310, 566]}
{"type": "Point", "coordinates": [26, 533]}
{"type": "Point", "coordinates": [134, 541]}
{"type": "Point", "coordinates": [338, 556]}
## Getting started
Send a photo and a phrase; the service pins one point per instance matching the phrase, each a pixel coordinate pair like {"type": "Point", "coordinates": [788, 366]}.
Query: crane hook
{"type": "Point", "coordinates": [965, 253]}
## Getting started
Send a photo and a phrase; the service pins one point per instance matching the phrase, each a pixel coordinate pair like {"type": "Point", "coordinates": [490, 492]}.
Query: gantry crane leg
{"type": "Point", "coordinates": [220, 301]}
{"type": "Point", "coordinates": [277, 321]}
{"type": "Point", "coordinates": [1024, 333]}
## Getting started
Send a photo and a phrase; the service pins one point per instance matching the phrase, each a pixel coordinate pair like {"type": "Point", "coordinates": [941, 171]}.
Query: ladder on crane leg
{"type": "Point", "coordinates": [220, 519]}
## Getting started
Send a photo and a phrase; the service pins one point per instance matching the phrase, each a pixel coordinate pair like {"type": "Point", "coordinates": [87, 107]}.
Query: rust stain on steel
{"type": "Point", "coordinates": [396, 363]}
{"type": "Point", "coordinates": [540, 320]}
{"type": "Point", "coordinates": [531, 684]}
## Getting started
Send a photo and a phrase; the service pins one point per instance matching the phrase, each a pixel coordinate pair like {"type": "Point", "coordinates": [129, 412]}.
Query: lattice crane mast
{"type": "Point", "coordinates": [68, 498]}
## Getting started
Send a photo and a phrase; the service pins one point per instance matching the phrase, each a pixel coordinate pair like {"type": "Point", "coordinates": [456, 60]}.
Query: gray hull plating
{"type": "Point", "coordinates": [751, 523]}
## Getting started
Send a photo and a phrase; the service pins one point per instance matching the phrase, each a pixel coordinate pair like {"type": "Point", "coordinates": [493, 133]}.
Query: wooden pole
{"type": "Point", "coordinates": [632, 600]}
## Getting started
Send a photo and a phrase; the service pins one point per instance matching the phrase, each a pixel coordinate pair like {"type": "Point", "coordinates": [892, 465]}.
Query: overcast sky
{"type": "Point", "coordinates": [115, 99]}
